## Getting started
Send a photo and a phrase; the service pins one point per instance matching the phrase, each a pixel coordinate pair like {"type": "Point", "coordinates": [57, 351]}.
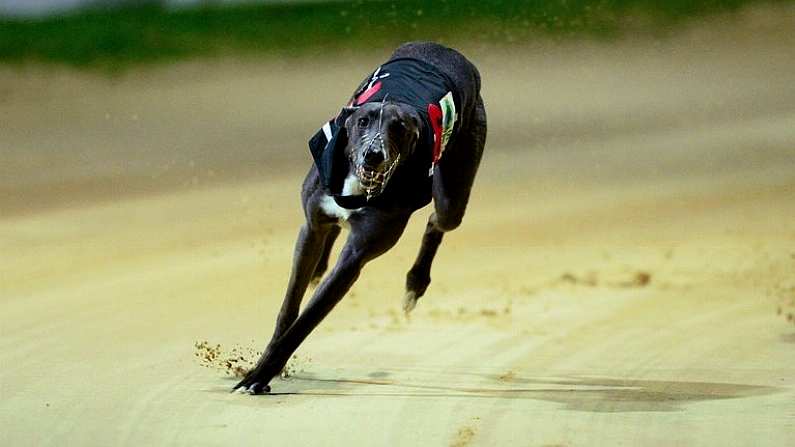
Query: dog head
{"type": "Point", "coordinates": [380, 135]}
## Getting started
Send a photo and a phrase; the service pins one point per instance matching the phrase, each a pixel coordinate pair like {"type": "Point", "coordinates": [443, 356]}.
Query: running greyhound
{"type": "Point", "coordinates": [413, 131]}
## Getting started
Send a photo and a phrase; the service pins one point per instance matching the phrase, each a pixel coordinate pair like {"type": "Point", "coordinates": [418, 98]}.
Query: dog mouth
{"type": "Point", "coordinates": [374, 181]}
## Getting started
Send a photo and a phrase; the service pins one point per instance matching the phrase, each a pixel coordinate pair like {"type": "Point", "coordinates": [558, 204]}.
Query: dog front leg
{"type": "Point", "coordinates": [308, 251]}
{"type": "Point", "coordinates": [367, 241]}
{"type": "Point", "coordinates": [279, 350]}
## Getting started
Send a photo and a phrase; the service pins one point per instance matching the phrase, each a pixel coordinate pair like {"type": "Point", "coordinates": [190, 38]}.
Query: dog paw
{"type": "Point", "coordinates": [252, 389]}
{"type": "Point", "coordinates": [409, 301]}
{"type": "Point", "coordinates": [252, 384]}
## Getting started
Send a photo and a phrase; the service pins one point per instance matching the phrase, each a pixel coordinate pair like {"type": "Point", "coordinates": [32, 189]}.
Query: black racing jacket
{"type": "Point", "coordinates": [403, 80]}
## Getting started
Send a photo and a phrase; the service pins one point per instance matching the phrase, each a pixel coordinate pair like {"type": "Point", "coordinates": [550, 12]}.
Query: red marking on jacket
{"type": "Point", "coordinates": [365, 95]}
{"type": "Point", "coordinates": [435, 116]}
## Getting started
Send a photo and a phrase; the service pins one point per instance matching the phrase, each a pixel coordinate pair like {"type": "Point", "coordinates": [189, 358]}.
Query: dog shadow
{"type": "Point", "coordinates": [593, 394]}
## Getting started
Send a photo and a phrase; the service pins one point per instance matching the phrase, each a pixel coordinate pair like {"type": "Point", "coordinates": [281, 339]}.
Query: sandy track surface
{"type": "Point", "coordinates": [623, 276]}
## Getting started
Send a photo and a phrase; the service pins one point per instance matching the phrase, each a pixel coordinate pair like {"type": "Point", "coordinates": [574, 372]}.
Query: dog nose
{"type": "Point", "coordinates": [373, 158]}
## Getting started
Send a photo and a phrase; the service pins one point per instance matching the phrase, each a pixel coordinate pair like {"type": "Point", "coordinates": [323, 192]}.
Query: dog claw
{"type": "Point", "coordinates": [249, 385]}
{"type": "Point", "coordinates": [257, 388]}
{"type": "Point", "coordinates": [253, 389]}
{"type": "Point", "coordinates": [409, 301]}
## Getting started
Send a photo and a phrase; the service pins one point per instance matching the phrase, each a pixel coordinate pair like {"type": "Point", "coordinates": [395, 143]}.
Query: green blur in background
{"type": "Point", "coordinates": [117, 38]}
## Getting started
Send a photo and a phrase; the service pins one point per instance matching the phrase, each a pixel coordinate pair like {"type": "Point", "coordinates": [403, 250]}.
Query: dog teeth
{"type": "Point", "coordinates": [370, 179]}
{"type": "Point", "coordinates": [373, 181]}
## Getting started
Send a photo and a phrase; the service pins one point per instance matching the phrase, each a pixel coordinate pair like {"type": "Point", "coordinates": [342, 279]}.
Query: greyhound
{"type": "Point", "coordinates": [413, 132]}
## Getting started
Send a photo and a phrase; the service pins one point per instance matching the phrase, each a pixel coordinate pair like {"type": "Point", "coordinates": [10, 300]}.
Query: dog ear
{"type": "Point", "coordinates": [416, 121]}
{"type": "Point", "coordinates": [335, 157]}
{"type": "Point", "coordinates": [345, 113]}
{"type": "Point", "coordinates": [339, 139]}
{"type": "Point", "coordinates": [413, 123]}
{"type": "Point", "coordinates": [328, 149]}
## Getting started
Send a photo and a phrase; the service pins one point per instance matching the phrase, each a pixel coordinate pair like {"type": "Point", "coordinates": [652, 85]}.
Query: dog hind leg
{"type": "Point", "coordinates": [419, 277]}
{"type": "Point", "coordinates": [455, 173]}
{"type": "Point", "coordinates": [452, 183]}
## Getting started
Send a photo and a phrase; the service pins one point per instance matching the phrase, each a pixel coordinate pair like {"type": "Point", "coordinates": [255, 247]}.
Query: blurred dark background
{"type": "Point", "coordinates": [114, 34]}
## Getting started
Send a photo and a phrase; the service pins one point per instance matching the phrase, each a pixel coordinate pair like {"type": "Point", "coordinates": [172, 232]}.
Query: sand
{"type": "Point", "coordinates": [624, 274]}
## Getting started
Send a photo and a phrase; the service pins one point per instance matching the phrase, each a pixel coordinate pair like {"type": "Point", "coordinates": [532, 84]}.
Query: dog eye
{"type": "Point", "coordinates": [363, 122]}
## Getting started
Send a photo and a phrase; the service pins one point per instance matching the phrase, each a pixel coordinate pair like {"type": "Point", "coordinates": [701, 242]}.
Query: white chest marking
{"type": "Point", "coordinates": [331, 208]}
{"type": "Point", "coordinates": [352, 186]}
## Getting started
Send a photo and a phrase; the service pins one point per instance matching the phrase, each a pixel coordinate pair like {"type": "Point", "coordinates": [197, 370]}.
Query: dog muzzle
{"type": "Point", "coordinates": [374, 182]}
